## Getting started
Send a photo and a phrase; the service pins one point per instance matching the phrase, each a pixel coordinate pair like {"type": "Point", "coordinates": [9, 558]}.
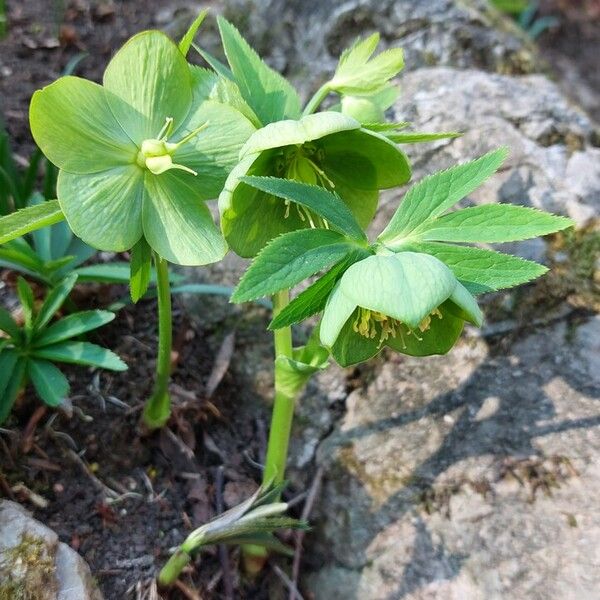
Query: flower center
{"type": "Point", "coordinates": [302, 163]}
{"type": "Point", "coordinates": [156, 154]}
{"type": "Point", "coordinates": [370, 324]}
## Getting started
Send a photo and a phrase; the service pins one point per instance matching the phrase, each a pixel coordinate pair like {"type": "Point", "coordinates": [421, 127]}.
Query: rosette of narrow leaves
{"type": "Point", "coordinates": [252, 522]}
{"type": "Point", "coordinates": [327, 149]}
{"type": "Point", "coordinates": [139, 154]}
{"type": "Point", "coordinates": [28, 352]}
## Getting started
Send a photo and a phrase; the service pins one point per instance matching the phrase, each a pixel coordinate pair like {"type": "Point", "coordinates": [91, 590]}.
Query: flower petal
{"type": "Point", "coordinates": [153, 78]}
{"type": "Point", "coordinates": [362, 203]}
{"type": "Point", "coordinates": [177, 224]}
{"type": "Point", "coordinates": [337, 311]}
{"type": "Point", "coordinates": [406, 286]}
{"type": "Point", "coordinates": [291, 132]}
{"type": "Point", "coordinates": [249, 217]}
{"type": "Point", "coordinates": [351, 348]}
{"type": "Point", "coordinates": [365, 160]}
{"type": "Point", "coordinates": [438, 339]}
{"type": "Point", "coordinates": [73, 125]}
{"type": "Point", "coordinates": [214, 152]}
{"type": "Point", "coordinates": [104, 209]}
{"type": "Point", "coordinates": [465, 306]}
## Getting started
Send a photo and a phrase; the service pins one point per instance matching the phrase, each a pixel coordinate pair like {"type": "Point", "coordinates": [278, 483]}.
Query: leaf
{"type": "Point", "coordinates": [293, 373]}
{"type": "Point", "coordinates": [269, 94]}
{"type": "Point", "coordinates": [81, 353]}
{"type": "Point", "coordinates": [482, 270]}
{"type": "Point", "coordinates": [54, 300]}
{"type": "Point", "coordinates": [317, 199]}
{"type": "Point", "coordinates": [72, 326]}
{"type": "Point", "coordinates": [435, 194]}
{"type": "Point", "coordinates": [314, 298]}
{"type": "Point", "coordinates": [289, 259]}
{"type": "Point", "coordinates": [178, 226]}
{"type": "Point", "coordinates": [29, 219]}
{"type": "Point", "coordinates": [9, 325]}
{"type": "Point", "coordinates": [72, 123]}
{"type": "Point", "coordinates": [414, 137]}
{"type": "Point", "coordinates": [12, 388]}
{"type": "Point", "coordinates": [25, 294]}
{"type": "Point", "coordinates": [492, 223]}
{"type": "Point", "coordinates": [190, 34]}
{"type": "Point", "coordinates": [8, 360]}
{"type": "Point", "coordinates": [215, 63]}
{"type": "Point", "coordinates": [50, 384]}
{"type": "Point", "coordinates": [226, 91]}
{"type": "Point", "coordinates": [117, 272]}
{"type": "Point", "coordinates": [358, 73]}
{"type": "Point", "coordinates": [141, 269]}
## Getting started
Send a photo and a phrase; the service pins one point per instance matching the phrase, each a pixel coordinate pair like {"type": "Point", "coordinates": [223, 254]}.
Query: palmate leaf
{"type": "Point", "coordinates": [29, 219]}
{"type": "Point", "coordinates": [289, 259]}
{"type": "Point", "coordinates": [359, 73]}
{"type": "Point", "coordinates": [482, 270]}
{"type": "Point", "coordinates": [81, 353]}
{"type": "Point", "coordinates": [437, 193]}
{"type": "Point", "coordinates": [317, 199]}
{"type": "Point", "coordinates": [269, 94]}
{"type": "Point", "coordinates": [72, 326]}
{"type": "Point", "coordinates": [491, 223]}
{"type": "Point", "coordinates": [50, 384]}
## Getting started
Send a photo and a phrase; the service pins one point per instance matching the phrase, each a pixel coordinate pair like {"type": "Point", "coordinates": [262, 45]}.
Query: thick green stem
{"type": "Point", "coordinates": [279, 436]}
{"type": "Point", "coordinates": [158, 406]}
{"type": "Point", "coordinates": [171, 571]}
{"type": "Point", "coordinates": [316, 100]}
{"type": "Point", "coordinates": [283, 407]}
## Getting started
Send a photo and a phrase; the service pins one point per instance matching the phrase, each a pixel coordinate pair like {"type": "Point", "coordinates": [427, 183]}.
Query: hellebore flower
{"type": "Point", "coordinates": [139, 154]}
{"type": "Point", "coordinates": [408, 301]}
{"type": "Point", "coordinates": [327, 149]}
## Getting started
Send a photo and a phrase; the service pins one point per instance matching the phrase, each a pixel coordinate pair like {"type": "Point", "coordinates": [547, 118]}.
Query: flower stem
{"type": "Point", "coordinates": [158, 406]}
{"type": "Point", "coordinates": [171, 571]}
{"type": "Point", "coordinates": [254, 556]}
{"type": "Point", "coordinates": [316, 100]}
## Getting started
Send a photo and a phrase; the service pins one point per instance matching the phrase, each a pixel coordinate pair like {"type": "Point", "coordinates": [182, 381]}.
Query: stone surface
{"type": "Point", "coordinates": [34, 565]}
{"type": "Point", "coordinates": [553, 164]}
{"type": "Point", "coordinates": [473, 475]}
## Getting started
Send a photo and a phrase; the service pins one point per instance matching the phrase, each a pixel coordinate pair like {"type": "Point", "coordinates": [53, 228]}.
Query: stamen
{"type": "Point", "coordinates": [164, 133]}
{"type": "Point", "coordinates": [174, 146]}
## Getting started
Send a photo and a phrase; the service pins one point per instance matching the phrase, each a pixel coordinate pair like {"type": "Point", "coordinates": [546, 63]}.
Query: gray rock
{"type": "Point", "coordinates": [35, 565]}
{"type": "Point", "coordinates": [553, 164]}
{"type": "Point", "coordinates": [470, 476]}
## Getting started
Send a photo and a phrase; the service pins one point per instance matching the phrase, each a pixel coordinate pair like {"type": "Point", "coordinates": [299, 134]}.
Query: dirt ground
{"type": "Point", "coordinates": [158, 489]}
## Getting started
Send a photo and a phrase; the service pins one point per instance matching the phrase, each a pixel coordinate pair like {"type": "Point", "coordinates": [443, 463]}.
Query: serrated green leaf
{"type": "Point", "coordinates": [214, 62]}
{"type": "Point", "coordinates": [186, 41]}
{"type": "Point", "coordinates": [482, 270]}
{"type": "Point", "coordinates": [359, 73]}
{"type": "Point", "coordinates": [50, 384]}
{"type": "Point", "coordinates": [54, 300]}
{"type": "Point", "coordinates": [317, 199]}
{"type": "Point", "coordinates": [141, 269]}
{"type": "Point", "coordinates": [314, 298]}
{"type": "Point", "coordinates": [289, 259]}
{"type": "Point", "coordinates": [72, 326]}
{"type": "Point", "coordinates": [227, 92]}
{"type": "Point", "coordinates": [492, 223]}
{"type": "Point", "coordinates": [81, 353]}
{"type": "Point", "coordinates": [292, 373]}
{"type": "Point", "coordinates": [29, 219]}
{"type": "Point", "coordinates": [414, 137]}
{"type": "Point", "coordinates": [12, 388]}
{"type": "Point", "coordinates": [269, 94]}
{"type": "Point", "coordinates": [437, 193]}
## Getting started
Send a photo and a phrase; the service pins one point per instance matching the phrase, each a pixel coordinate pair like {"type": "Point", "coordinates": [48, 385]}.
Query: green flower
{"type": "Point", "coordinates": [327, 149]}
{"type": "Point", "coordinates": [408, 301]}
{"type": "Point", "coordinates": [139, 154]}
